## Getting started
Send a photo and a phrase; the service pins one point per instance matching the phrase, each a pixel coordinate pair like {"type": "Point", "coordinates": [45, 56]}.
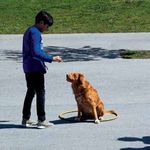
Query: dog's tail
{"type": "Point", "coordinates": [110, 112]}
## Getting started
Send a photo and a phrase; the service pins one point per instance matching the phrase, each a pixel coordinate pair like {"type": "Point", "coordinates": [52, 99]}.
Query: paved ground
{"type": "Point", "coordinates": [123, 85]}
{"type": "Point", "coordinates": [111, 41]}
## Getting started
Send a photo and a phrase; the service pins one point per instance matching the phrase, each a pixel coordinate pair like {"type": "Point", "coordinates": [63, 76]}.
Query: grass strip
{"type": "Point", "coordinates": [77, 16]}
{"type": "Point", "coordinates": [135, 54]}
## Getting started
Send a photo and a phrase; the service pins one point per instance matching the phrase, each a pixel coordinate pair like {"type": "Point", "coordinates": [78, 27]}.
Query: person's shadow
{"type": "Point", "coordinates": [8, 125]}
{"type": "Point", "coordinates": [5, 124]}
{"type": "Point", "coordinates": [145, 140]}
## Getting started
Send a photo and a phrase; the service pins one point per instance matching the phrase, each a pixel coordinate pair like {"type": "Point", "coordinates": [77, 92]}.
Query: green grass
{"type": "Point", "coordinates": [76, 16]}
{"type": "Point", "coordinates": [133, 54]}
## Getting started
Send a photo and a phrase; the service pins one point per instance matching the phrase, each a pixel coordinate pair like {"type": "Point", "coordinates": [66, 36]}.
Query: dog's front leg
{"type": "Point", "coordinates": [95, 115]}
{"type": "Point", "coordinates": [78, 118]}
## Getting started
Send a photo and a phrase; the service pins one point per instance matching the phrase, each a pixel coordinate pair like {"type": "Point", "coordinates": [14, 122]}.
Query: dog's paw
{"type": "Point", "coordinates": [77, 119]}
{"type": "Point", "coordinates": [97, 121]}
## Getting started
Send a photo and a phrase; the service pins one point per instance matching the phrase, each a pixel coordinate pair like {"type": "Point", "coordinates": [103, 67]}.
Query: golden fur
{"type": "Point", "coordinates": [90, 106]}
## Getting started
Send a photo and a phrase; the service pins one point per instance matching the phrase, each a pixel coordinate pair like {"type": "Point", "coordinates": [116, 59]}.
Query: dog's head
{"type": "Point", "coordinates": [75, 77]}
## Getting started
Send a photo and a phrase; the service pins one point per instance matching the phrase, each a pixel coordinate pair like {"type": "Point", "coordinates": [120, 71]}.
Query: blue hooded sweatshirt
{"type": "Point", "coordinates": [33, 54]}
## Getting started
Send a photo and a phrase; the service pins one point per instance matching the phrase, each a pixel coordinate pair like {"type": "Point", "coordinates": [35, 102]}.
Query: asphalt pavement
{"type": "Point", "coordinates": [123, 84]}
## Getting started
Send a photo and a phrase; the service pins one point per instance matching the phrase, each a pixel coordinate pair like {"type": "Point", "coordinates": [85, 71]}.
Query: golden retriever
{"type": "Point", "coordinates": [90, 106]}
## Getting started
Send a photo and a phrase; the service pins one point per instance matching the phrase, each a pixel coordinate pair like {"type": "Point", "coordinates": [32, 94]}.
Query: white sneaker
{"type": "Point", "coordinates": [28, 123]}
{"type": "Point", "coordinates": [44, 124]}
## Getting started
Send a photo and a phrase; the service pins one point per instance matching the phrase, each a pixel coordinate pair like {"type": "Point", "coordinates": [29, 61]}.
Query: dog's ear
{"type": "Point", "coordinates": [80, 78]}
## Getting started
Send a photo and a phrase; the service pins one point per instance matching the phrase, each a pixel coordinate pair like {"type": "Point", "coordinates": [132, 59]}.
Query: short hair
{"type": "Point", "coordinates": [45, 17]}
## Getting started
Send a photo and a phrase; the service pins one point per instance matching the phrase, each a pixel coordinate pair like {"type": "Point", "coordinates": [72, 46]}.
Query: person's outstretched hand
{"type": "Point", "coordinates": [57, 58]}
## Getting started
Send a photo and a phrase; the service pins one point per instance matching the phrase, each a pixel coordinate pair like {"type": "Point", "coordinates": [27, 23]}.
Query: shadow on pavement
{"type": "Point", "coordinates": [145, 140]}
{"type": "Point", "coordinates": [13, 126]}
{"type": "Point", "coordinates": [59, 122]}
{"type": "Point", "coordinates": [144, 148]}
{"type": "Point", "coordinates": [85, 53]}
{"type": "Point", "coordinates": [10, 55]}
{"type": "Point", "coordinates": [70, 120]}
{"type": "Point", "coordinates": [4, 121]}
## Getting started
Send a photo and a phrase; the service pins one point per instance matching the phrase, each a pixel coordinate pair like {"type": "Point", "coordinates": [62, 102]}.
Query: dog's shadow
{"type": "Point", "coordinates": [69, 120]}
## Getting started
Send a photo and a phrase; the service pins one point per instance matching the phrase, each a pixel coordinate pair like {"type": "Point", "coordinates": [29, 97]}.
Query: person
{"type": "Point", "coordinates": [34, 67]}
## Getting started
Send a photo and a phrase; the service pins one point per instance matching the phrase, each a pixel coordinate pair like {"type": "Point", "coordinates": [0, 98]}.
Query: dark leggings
{"type": "Point", "coordinates": [35, 85]}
